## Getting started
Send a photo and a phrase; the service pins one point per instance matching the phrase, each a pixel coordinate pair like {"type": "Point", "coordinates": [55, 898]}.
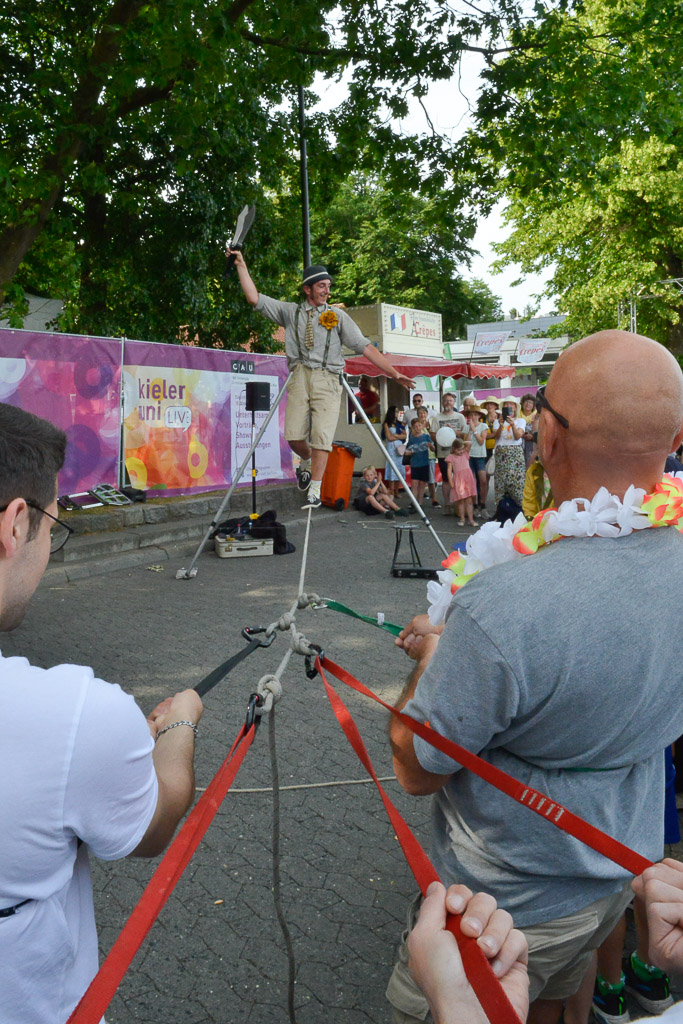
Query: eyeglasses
{"type": "Point", "coordinates": [59, 533]}
{"type": "Point", "coordinates": [543, 403]}
{"type": "Point", "coordinates": [417, 401]}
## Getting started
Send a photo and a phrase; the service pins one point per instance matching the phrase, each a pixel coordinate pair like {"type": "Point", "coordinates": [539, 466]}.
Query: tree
{"type": "Point", "coordinates": [133, 130]}
{"type": "Point", "coordinates": [384, 246]}
{"type": "Point", "coordinates": [581, 130]}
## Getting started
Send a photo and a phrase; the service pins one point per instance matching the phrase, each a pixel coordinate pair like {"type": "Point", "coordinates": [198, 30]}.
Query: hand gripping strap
{"type": "Point", "coordinates": [487, 988]}
{"type": "Point", "coordinates": [162, 883]}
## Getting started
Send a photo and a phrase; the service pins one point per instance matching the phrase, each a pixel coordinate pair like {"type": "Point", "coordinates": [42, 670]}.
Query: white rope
{"type": "Point", "coordinates": [270, 688]}
{"type": "Point", "coordinates": [304, 557]}
{"type": "Point", "coordinates": [310, 785]}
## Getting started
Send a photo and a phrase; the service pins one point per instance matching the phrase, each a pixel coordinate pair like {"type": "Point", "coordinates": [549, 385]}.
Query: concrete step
{"type": "Point", "coordinates": [107, 539]}
{"type": "Point", "coordinates": [107, 519]}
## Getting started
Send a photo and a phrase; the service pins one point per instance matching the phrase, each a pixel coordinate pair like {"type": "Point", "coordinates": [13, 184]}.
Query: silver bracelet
{"type": "Point", "coordinates": [166, 728]}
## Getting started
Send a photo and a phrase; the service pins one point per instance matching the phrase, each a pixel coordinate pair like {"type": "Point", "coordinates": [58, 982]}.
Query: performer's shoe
{"type": "Point", "coordinates": [313, 502]}
{"type": "Point", "coordinates": [303, 478]}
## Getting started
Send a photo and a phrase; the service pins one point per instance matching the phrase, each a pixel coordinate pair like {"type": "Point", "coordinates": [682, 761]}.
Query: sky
{"type": "Point", "coordinates": [448, 108]}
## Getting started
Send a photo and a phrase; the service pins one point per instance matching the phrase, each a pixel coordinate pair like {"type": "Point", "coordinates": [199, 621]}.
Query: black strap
{"type": "Point", "coordinates": [213, 678]}
{"type": "Point", "coordinates": [9, 911]}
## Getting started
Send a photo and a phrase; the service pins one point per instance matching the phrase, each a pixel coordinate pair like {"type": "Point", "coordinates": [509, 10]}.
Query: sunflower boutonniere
{"type": "Point", "coordinates": [328, 319]}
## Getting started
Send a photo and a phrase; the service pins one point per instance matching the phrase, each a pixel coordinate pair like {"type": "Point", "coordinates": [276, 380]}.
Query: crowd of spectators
{"type": "Point", "coordinates": [496, 435]}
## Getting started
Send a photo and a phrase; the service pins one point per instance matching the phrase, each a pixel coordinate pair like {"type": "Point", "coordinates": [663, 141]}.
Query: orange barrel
{"type": "Point", "coordinates": [336, 486]}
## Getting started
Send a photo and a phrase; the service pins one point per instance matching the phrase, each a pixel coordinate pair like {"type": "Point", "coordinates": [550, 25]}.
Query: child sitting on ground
{"type": "Point", "coordinates": [373, 497]}
{"type": "Point", "coordinates": [461, 481]}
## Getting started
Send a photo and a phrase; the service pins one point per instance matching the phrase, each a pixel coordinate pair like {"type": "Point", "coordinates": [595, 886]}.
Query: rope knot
{"type": "Point", "coordinates": [300, 645]}
{"type": "Point", "coordinates": [286, 620]}
{"type": "Point", "coordinates": [270, 688]}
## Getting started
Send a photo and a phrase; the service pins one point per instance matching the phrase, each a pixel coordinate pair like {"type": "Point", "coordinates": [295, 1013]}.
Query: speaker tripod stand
{"type": "Point", "coordinates": [191, 571]}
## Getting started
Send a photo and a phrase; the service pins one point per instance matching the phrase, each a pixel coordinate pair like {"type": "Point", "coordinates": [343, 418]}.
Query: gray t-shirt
{"type": "Point", "coordinates": [327, 345]}
{"type": "Point", "coordinates": [567, 659]}
{"type": "Point", "coordinates": [455, 420]}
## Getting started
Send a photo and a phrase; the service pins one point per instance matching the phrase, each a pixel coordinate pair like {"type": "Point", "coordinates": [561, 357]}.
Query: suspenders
{"type": "Point", "coordinates": [302, 349]}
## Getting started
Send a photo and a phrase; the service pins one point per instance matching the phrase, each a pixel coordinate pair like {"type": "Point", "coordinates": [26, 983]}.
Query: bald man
{"type": "Point", "coordinates": [564, 670]}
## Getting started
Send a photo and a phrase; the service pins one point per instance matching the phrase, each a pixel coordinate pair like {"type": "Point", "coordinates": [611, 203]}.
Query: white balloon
{"type": "Point", "coordinates": [445, 436]}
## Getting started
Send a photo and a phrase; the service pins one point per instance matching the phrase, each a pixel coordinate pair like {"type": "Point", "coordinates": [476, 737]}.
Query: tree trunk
{"type": "Point", "coordinates": [17, 239]}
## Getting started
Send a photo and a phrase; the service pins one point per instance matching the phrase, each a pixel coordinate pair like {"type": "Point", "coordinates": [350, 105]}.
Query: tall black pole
{"type": "Point", "coordinates": [303, 166]}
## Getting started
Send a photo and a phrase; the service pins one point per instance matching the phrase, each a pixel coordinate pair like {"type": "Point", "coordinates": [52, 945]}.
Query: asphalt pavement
{"type": "Point", "coordinates": [216, 954]}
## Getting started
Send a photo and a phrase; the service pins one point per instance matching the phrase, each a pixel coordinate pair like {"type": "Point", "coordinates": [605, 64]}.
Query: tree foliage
{"type": "Point", "coordinates": [384, 246]}
{"type": "Point", "coordinates": [581, 130]}
{"type": "Point", "coordinates": [134, 130]}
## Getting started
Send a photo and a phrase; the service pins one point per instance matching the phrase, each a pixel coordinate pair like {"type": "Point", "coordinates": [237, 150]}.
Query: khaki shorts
{"type": "Point", "coordinates": [560, 950]}
{"type": "Point", "coordinates": [559, 955]}
{"type": "Point", "coordinates": [312, 409]}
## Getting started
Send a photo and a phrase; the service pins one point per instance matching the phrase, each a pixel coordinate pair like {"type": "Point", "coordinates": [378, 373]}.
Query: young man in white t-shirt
{"type": "Point", "coordinates": [80, 767]}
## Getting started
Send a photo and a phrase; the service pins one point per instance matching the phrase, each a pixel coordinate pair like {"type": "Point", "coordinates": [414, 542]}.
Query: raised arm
{"type": "Point", "coordinates": [248, 287]}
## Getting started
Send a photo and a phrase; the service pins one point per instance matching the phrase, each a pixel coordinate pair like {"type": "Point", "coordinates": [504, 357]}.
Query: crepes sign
{"type": "Point", "coordinates": [531, 350]}
{"type": "Point", "coordinates": [489, 343]}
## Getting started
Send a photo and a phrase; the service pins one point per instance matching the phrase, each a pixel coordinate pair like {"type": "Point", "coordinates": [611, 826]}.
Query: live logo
{"type": "Point", "coordinates": [242, 366]}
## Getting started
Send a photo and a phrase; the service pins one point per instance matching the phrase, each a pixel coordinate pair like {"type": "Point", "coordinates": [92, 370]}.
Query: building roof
{"type": "Point", "coordinates": [538, 325]}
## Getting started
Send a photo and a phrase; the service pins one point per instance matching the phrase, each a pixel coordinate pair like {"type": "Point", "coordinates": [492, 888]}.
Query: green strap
{"type": "Point", "coordinates": [337, 606]}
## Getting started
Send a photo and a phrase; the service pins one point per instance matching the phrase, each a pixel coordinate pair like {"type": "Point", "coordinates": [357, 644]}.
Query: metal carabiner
{"type": "Point", "coordinates": [310, 659]}
{"type": "Point", "coordinates": [255, 701]}
{"type": "Point", "coordinates": [250, 633]}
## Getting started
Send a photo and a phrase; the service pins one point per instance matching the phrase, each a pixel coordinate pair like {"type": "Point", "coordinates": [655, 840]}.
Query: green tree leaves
{"type": "Point", "coordinates": [381, 245]}
{"type": "Point", "coordinates": [132, 131]}
{"type": "Point", "coordinates": [583, 129]}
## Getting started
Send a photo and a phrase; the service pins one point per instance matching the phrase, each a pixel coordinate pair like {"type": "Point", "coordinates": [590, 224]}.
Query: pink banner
{"type": "Point", "coordinates": [75, 383]}
{"type": "Point", "coordinates": [186, 427]}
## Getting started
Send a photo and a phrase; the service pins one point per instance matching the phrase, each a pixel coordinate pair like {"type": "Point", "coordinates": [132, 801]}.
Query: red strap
{"type": "Point", "coordinates": [487, 987]}
{"type": "Point", "coordinates": [541, 804]}
{"type": "Point", "coordinates": [105, 983]}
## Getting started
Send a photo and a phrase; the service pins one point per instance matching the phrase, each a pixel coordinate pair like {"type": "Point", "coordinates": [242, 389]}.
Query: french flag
{"type": "Point", "coordinates": [398, 323]}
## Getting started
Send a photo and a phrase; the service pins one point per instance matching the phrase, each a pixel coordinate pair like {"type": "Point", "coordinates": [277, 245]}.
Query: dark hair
{"type": "Point", "coordinates": [31, 455]}
{"type": "Point", "coordinates": [527, 398]}
{"type": "Point", "coordinates": [390, 417]}
{"type": "Point", "coordinates": [418, 394]}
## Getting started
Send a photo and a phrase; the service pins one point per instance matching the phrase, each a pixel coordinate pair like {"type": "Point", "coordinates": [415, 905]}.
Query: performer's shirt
{"type": "Point", "coordinates": [327, 345]}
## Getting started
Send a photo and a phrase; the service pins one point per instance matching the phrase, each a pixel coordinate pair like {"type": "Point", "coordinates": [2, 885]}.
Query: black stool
{"type": "Point", "coordinates": [413, 569]}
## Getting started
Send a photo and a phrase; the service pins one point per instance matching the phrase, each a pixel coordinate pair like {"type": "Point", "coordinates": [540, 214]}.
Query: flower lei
{"type": "Point", "coordinates": [328, 319]}
{"type": "Point", "coordinates": [604, 516]}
